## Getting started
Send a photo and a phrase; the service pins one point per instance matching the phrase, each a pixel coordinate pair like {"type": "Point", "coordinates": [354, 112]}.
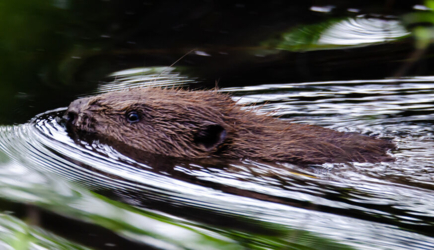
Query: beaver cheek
{"type": "Point", "coordinates": [210, 137]}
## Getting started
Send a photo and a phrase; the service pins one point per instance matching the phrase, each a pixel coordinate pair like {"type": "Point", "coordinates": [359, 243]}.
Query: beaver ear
{"type": "Point", "coordinates": [211, 136]}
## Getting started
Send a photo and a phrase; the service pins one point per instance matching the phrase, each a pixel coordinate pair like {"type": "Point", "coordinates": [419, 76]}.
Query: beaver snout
{"type": "Point", "coordinates": [74, 109]}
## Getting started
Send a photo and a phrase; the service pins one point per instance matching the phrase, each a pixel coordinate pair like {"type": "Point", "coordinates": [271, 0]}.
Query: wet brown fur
{"type": "Point", "coordinates": [178, 123]}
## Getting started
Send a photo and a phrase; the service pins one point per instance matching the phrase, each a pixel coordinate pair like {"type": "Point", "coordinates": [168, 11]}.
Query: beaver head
{"type": "Point", "coordinates": [199, 124]}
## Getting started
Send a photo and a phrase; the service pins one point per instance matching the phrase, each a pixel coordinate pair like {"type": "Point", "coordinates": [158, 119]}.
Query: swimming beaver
{"type": "Point", "coordinates": [200, 124]}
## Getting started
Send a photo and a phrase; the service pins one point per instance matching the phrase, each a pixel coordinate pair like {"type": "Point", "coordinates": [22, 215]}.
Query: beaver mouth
{"type": "Point", "coordinates": [70, 118]}
{"type": "Point", "coordinates": [76, 122]}
{"type": "Point", "coordinates": [76, 117]}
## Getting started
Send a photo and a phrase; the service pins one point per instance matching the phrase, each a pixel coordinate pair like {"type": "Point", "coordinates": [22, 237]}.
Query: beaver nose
{"type": "Point", "coordinates": [74, 109]}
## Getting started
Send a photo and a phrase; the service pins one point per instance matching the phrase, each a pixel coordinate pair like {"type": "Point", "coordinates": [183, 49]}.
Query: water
{"type": "Point", "coordinates": [358, 204]}
{"type": "Point", "coordinates": [348, 68]}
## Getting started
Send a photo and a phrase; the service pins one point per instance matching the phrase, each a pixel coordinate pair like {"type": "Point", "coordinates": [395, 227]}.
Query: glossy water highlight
{"type": "Point", "coordinates": [391, 197]}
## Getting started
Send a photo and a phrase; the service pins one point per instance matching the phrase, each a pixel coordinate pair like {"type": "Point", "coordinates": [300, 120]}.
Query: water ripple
{"type": "Point", "coordinates": [382, 204]}
{"type": "Point", "coordinates": [362, 30]}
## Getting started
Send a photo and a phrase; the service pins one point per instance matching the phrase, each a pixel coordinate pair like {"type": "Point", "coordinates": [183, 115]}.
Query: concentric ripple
{"type": "Point", "coordinates": [362, 30]}
{"type": "Point", "coordinates": [387, 205]}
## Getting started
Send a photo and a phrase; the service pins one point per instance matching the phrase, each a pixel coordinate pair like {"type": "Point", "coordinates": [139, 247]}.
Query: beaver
{"type": "Point", "coordinates": [202, 124]}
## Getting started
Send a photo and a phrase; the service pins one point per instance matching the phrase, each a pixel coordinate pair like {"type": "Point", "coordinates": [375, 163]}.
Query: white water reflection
{"type": "Point", "coordinates": [144, 77]}
{"type": "Point", "coordinates": [362, 30]}
{"type": "Point", "coordinates": [343, 102]}
{"type": "Point", "coordinates": [398, 193]}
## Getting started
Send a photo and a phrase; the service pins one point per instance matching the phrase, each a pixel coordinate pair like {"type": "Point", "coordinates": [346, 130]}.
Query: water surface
{"type": "Point", "coordinates": [356, 68]}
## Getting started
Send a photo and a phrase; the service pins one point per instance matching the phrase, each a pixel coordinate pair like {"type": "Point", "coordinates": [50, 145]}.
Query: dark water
{"type": "Point", "coordinates": [361, 68]}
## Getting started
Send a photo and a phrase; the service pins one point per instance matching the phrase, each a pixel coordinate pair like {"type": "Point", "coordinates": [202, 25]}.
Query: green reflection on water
{"type": "Point", "coordinates": [47, 50]}
{"type": "Point", "coordinates": [362, 31]}
{"type": "Point", "coordinates": [138, 225]}
{"type": "Point", "coordinates": [20, 236]}
{"type": "Point", "coordinates": [422, 26]}
{"type": "Point", "coordinates": [303, 37]}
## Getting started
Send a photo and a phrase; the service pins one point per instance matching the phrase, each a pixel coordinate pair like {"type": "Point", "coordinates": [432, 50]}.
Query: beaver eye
{"type": "Point", "coordinates": [133, 117]}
